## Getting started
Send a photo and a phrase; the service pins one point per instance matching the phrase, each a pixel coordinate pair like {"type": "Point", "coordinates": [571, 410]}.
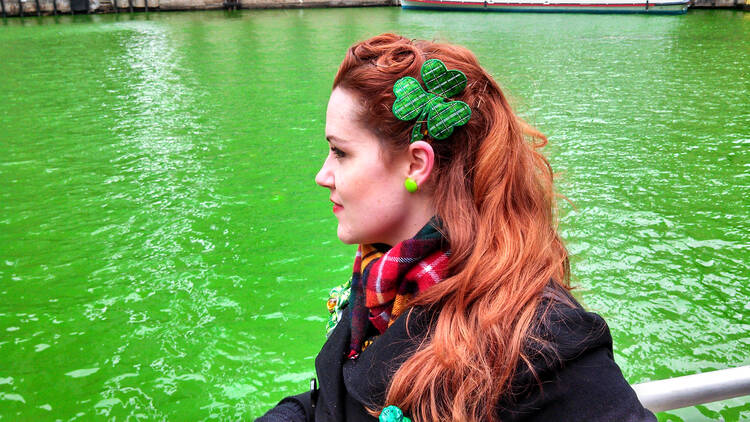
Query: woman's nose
{"type": "Point", "coordinates": [324, 177]}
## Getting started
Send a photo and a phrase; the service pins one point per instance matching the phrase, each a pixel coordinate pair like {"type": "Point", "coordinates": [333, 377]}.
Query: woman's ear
{"type": "Point", "coordinates": [421, 160]}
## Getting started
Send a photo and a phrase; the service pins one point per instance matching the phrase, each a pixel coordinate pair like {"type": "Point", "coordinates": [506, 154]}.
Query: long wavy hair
{"type": "Point", "coordinates": [494, 192]}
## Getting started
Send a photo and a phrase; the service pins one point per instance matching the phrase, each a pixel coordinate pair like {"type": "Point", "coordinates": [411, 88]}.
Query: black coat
{"type": "Point", "coordinates": [580, 379]}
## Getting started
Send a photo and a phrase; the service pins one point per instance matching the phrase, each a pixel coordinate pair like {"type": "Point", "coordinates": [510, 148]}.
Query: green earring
{"type": "Point", "coordinates": [411, 185]}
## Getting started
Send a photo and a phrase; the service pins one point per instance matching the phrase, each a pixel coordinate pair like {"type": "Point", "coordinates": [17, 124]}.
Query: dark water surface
{"type": "Point", "coordinates": [165, 253]}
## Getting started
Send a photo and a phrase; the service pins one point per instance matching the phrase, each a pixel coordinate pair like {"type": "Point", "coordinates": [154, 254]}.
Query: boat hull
{"type": "Point", "coordinates": [579, 6]}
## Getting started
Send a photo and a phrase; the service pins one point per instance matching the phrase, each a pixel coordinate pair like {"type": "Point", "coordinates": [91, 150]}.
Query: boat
{"type": "Point", "coordinates": [674, 7]}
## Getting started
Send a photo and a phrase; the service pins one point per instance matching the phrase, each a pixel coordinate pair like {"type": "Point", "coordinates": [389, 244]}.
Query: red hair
{"type": "Point", "coordinates": [494, 193]}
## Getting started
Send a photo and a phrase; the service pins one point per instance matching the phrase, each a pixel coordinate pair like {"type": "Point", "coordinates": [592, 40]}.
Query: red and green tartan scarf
{"type": "Point", "coordinates": [383, 281]}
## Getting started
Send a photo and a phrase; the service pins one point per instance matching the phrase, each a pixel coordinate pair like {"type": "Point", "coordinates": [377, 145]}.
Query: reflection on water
{"type": "Point", "coordinates": [165, 254]}
{"type": "Point", "coordinates": [164, 292]}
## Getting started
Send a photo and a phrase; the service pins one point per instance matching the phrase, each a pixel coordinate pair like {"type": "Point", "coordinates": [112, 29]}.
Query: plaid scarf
{"type": "Point", "coordinates": [384, 281]}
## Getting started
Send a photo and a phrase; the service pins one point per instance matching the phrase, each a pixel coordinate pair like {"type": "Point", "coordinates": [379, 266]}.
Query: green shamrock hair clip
{"type": "Point", "coordinates": [413, 102]}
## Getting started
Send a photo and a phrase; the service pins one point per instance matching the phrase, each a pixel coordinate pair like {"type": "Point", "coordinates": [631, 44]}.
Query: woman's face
{"type": "Point", "coordinates": [368, 193]}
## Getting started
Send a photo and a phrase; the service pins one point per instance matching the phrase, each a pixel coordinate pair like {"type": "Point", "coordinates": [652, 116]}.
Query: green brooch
{"type": "Point", "coordinates": [413, 102]}
{"type": "Point", "coordinates": [392, 414]}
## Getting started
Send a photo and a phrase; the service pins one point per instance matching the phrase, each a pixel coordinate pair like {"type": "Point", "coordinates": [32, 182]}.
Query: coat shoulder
{"type": "Point", "coordinates": [563, 330]}
{"type": "Point", "coordinates": [570, 373]}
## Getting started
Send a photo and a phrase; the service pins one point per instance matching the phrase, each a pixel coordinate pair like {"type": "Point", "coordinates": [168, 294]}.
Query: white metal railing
{"type": "Point", "coordinates": [690, 390]}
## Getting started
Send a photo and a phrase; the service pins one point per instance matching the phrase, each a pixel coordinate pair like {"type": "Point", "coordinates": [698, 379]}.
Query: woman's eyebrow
{"type": "Point", "coordinates": [332, 138]}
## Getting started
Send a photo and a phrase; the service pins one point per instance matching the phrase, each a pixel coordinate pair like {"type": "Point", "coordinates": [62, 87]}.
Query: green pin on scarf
{"type": "Point", "coordinates": [413, 102]}
{"type": "Point", "coordinates": [392, 414]}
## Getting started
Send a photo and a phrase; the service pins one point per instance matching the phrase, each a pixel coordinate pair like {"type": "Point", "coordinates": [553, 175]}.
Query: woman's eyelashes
{"type": "Point", "coordinates": [337, 152]}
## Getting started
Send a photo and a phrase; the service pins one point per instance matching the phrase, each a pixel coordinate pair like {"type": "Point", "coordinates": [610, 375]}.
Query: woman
{"type": "Point", "coordinates": [458, 308]}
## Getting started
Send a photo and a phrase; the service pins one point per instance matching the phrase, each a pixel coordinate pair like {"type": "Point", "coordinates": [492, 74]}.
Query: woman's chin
{"type": "Point", "coordinates": [345, 237]}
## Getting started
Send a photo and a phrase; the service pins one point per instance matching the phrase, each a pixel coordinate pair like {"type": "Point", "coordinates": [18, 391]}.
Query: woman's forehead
{"type": "Point", "coordinates": [343, 120]}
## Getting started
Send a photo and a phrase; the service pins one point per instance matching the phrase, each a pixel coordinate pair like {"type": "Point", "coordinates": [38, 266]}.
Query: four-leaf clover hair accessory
{"type": "Point", "coordinates": [431, 106]}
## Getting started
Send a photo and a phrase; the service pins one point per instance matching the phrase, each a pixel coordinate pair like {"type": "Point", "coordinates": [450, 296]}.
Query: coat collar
{"type": "Point", "coordinates": [366, 378]}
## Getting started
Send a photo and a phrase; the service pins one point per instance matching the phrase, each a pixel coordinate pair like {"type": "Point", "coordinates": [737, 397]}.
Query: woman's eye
{"type": "Point", "coordinates": [337, 152]}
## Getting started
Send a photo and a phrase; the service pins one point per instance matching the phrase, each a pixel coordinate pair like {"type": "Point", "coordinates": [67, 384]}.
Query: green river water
{"type": "Point", "coordinates": [166, 255]}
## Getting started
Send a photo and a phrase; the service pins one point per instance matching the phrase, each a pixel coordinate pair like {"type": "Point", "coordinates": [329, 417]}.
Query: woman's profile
{"type": "Point", "coordinates": [459, 306]}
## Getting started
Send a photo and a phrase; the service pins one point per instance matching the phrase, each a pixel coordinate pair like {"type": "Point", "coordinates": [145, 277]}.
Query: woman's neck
{"type": "Point", "coordinates": [420, 213]}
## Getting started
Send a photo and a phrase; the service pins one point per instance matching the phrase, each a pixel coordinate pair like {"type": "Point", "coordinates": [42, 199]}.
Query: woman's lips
{"type": "Point", "coordinates": [336, 207]}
